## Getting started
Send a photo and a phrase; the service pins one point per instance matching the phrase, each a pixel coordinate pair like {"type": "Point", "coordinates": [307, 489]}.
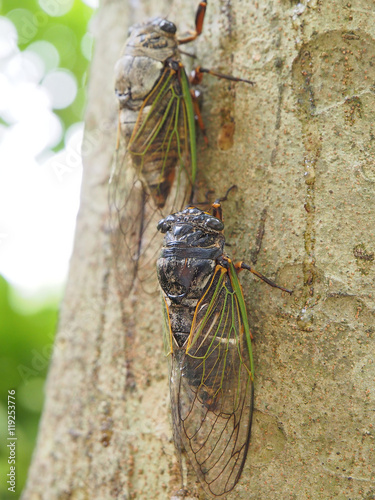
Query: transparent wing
{"type": "Point", "coordinates": [212, 386]}
{"type": "Point", "coordinates": [153, 176]}
{"type": "Point", "coordinates": [129, 211]}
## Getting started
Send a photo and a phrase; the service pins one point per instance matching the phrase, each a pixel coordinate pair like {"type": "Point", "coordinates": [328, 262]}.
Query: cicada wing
{"type": "Point", "coordinates": [167, 331]}
{"type": "Point", "coordinates": [174, 375]}
{"type": "Point", "coordinates": [162, 144]}
{"type": "Point", "coordinates": [213, 388]}
{"type": "Point", "coordinates": [126, 206]}
{"type": "Point", "coordinates": [153, 177]}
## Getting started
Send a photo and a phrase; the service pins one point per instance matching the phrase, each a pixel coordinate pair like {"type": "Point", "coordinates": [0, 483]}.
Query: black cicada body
{"type": "Point", "coordinates": [207, 338]}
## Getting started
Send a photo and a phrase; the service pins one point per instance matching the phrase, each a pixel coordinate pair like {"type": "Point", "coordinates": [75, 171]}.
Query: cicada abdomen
{"type": "Point", "coordinates": [207, 338]}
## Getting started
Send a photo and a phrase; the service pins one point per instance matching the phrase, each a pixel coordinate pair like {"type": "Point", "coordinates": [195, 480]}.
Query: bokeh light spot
{"type": "Point", "coordinates": [65, 41]}
{"type": "Point", "coordinates": [21, 69]}
{"type": "Point", "coordinates": [32, 64]}
{"type": "Point", "coordinates": [94, 4]}
{"type": "Point", "coordinates": [87, 44]}
{"type": "Point", "coordinates": [47, 52]}
{"type": "Point", "coordinates": [61, 86]}
{"type": "Point", "coordinates": [8, 37]}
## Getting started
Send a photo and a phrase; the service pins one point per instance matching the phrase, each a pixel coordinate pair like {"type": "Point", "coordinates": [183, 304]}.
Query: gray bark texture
{"type": "Point", "coordinates": [300, 145]}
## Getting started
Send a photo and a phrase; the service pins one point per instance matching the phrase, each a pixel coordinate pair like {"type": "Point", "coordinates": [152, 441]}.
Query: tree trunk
{"type": "Point", "coordinates": [300, 147]}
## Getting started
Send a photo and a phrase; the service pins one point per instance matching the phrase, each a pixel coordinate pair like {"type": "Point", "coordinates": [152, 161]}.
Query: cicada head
{"type": "Point", "coordinates": [155, 39]}
{"type": "Point", "coordinates": [193, 241]}
{"type": "Point", "coordinates": [142, 61]}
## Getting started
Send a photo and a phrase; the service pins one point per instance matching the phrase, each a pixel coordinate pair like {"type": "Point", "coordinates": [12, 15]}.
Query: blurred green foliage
{"type": "Point", "coordinates": [26, 345]}
{"type": "Point", "coordinates": [68, 33]}
{"type": "Point", "coordinates": [26, 333]}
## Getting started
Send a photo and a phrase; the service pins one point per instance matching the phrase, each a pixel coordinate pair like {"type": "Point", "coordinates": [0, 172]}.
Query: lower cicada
{"type": "Point", "coordinates": [208, 340]}
{"type": "Point", "coordinates": [156, 163]}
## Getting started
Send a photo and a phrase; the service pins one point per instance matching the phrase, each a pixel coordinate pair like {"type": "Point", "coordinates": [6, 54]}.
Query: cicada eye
{"type": "Point", "coordinates": [215, 224]}
{"type": "Point", "coordinates": [163, 226]}
{"type": "Point", "coordinates": [167, 26]}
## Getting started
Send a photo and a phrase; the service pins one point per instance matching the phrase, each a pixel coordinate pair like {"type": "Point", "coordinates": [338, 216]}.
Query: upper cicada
{"type": "Point", "coordinates": [208, 340]}
{"type": "Point", "coordinates": [156, 163]}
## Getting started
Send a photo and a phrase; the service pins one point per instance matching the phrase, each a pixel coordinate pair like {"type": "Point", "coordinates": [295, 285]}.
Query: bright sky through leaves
{"type": "Point", "coordinates": [39, 187]}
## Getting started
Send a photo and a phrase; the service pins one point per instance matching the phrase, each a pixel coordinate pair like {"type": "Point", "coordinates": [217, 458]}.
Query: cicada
{"type": "Point", "coordinates": [156, 158]}
{"type": "Point", "coordinates": [208, 341]}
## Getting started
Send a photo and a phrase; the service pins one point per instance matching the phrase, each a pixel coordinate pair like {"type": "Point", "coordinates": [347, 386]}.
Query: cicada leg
{"type": "Point", "coordinates": [241, 265]}
{"type": "Point", "coordinates": [197, 76]}
{"type": "Point", "coordinates": [199, 18]}
{"type": "Point", "coordinates": [217, 211]}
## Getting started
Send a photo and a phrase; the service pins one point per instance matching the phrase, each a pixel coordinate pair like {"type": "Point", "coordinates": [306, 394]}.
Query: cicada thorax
{"type": "Point", "coordinates": [187, 264]}
{"type": "Point", "coordinates": [155, 165]}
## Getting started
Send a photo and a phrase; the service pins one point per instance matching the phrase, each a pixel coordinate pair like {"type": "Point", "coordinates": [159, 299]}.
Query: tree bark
{"type": "Point", "coordinates": [300, 147]}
